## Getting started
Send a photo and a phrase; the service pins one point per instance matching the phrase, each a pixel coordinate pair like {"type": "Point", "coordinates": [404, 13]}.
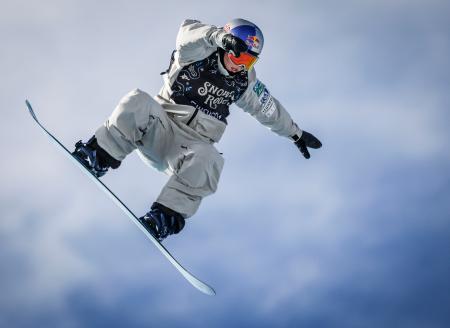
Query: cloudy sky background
{"type": "Point", "coordinates": [357, 236]}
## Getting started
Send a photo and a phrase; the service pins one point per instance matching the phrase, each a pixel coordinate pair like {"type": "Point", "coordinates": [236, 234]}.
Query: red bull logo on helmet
{"type": "Point", "coordinates": [252, 41]}
{"type": "Point", "coordinates": [248, 32]}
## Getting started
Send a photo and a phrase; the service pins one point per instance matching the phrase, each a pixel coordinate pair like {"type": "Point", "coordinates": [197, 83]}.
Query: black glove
{"type": "Point", "coordinates": [305, 141]}
{"type": "Point", "coordinates": [234, 44]}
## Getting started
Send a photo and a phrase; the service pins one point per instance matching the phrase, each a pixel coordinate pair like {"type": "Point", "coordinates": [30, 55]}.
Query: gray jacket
{"type": "Point", "coordinates": [196, 41]}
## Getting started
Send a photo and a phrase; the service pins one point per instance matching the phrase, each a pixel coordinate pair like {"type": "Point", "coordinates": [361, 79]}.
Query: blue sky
{"type": "Point", "coordinates": [357, 236]}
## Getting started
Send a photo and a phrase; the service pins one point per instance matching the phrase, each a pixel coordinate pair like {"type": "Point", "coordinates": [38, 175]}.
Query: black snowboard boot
{"type": "Point", "coordinates": [94, 158]}
{"type": "Point", "coordinates": [161, 221]}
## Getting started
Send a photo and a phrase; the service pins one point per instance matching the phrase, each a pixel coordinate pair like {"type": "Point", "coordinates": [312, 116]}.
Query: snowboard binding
{"type": "Point", "coordinates": [161, 221]}
{"type": "Point", "coordinates": [94, 158]}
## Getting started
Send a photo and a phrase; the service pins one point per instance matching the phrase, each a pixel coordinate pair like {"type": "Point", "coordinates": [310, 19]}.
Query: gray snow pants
{"type": "Point", "coordinates": [140, 123]}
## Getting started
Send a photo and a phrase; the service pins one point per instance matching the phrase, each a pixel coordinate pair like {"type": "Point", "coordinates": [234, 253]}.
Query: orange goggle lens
{"type": "Point", "coordinates": [245, 59]}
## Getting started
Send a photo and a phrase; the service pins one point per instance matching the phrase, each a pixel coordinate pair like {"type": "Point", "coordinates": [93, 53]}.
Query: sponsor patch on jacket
{"type": "Point", "coordinates": [259, 88]}
{"type": "Point", "coordinates": [268, 106]}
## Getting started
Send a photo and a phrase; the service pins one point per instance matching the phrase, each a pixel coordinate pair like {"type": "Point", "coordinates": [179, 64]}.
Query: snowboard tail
{"type": "Point", "coordinates": [201, 286]}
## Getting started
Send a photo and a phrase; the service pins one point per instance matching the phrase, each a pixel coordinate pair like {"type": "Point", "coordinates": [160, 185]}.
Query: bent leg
{"type": "Point", "coordinates": [196, 175]}
{"type": "Point", "coordinates": [135, 114]}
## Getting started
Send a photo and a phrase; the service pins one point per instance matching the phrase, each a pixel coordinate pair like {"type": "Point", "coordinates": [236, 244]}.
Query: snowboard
{"type": "Point", "coordinates": [201, 286]}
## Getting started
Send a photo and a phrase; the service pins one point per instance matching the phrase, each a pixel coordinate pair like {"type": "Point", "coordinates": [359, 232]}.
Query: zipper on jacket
{"type": "Point", "coordinates": [192, 117]}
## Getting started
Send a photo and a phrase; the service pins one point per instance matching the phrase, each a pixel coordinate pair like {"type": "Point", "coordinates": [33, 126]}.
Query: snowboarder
{"type": "Point", "coordinates": [175, 131]}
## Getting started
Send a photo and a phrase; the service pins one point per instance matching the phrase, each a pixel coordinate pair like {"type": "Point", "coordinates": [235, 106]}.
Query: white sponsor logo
{"type": "Point", "coordinates": [208, 112]}
{"type": "Point", "coordinates": [267, 103]}
{"type": "Point", "coordinates": [215, 95]}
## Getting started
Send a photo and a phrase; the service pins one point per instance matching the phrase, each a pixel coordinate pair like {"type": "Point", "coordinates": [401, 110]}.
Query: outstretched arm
{"type": "Point", "coordinates": [258, 102]}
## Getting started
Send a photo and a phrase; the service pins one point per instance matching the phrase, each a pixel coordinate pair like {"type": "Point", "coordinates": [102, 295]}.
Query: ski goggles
{"type": "Point", "coordinates": [245, 59]}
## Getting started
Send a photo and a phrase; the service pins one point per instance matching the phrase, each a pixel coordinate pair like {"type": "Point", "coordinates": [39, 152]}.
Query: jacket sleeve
{"type": "Point", "coordinates": [258, 102]}
{"type": "Point", "coordinates": [196, 40]}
